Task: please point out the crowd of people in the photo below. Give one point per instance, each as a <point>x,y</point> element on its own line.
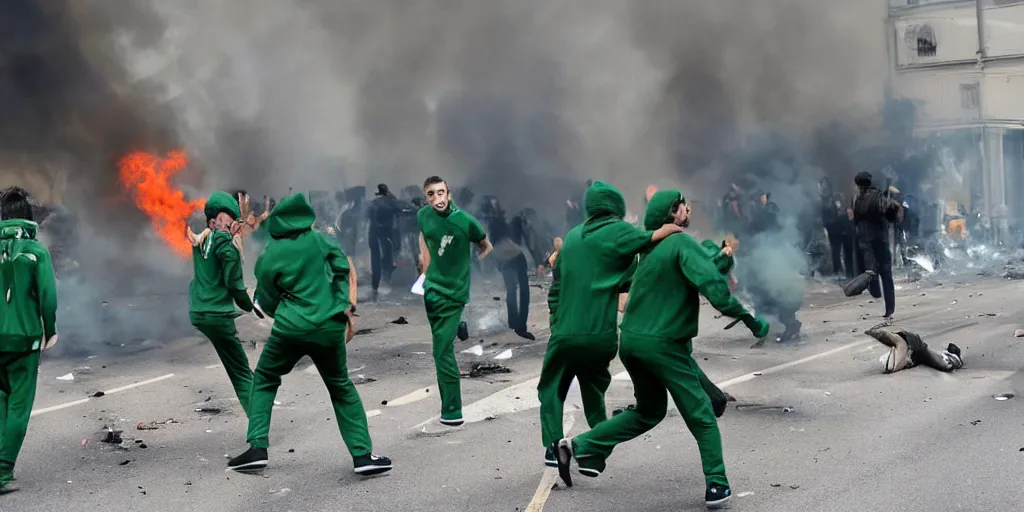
<point>654,274</point>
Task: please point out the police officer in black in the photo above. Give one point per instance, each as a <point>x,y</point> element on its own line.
<point>382,215</point>
<point>873,210</point>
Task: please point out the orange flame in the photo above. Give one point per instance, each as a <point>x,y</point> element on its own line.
<point>148,178</point>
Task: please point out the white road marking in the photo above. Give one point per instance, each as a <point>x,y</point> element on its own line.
<point>45,410</point>
<point>548,479</point>
<point>138,384</point>
<point>58,407</point>
<point>375,412</point>
<point>212,366</point>
<point>415,396</point>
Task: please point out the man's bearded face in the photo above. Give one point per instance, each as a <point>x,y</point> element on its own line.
<point>437,196</point>
<point>681,216</point>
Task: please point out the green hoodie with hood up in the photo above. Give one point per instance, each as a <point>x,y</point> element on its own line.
<point>594,264</point>
<point>664,301</point>
<point>302,275</point>
<point>29,311</point>
<point>217,284</point>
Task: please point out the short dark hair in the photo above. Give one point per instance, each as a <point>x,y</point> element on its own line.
<point>433,180</point>
<point>14,204</point>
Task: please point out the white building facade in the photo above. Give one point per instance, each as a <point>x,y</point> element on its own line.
<point>962,63</point>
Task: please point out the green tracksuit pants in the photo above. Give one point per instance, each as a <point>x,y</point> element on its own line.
<point>444,316</point>
<point>655,365</point>
<point>18,374</point>
<point>585,358</point>
<point>221,332</point>
<point>326,347</point>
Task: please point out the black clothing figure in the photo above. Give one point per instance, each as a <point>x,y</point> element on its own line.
<point>840,233</point>
<point>872,212</point>
<point>508,240</point>
<point>381,216</point>
<point>409,229</point>
<point>351,219</point>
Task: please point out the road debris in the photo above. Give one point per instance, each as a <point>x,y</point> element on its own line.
<point>68,377</point>
<point>482,369</point>
<point>1019,333</point>
<point>363,379</point>
<point>475,350</point>
<point>400,321</point>
<point>209,410</point>
<point>98,394</point>
<point>111,436</point>
<point>1003,396</point>
<point>504,355</point>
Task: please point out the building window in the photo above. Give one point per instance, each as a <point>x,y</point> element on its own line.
<point>926,44</point>
<point>970,96</point>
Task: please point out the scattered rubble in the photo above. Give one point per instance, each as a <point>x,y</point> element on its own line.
<point>1019,333</point>
<point>1003,396</point>
<point>111,436</point>
<point>98,394</point>
<point>362,379</point>
<point>482,369</point>
<point>504,355</point>
<point>209,410</point>
<point>68,377</point>
<point>400,321</point>
<point>475,350</point>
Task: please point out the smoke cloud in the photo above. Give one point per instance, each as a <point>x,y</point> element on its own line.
<point>524,99</point>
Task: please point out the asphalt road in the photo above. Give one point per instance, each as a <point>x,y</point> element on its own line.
<point>854,439</point>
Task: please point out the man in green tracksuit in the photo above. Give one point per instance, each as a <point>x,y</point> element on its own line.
<point>660,321</point>
<point>217,287</point>
<point>446,233</point>
<point>591,270</point>
<point>27,323</point>
<point>303,281</point>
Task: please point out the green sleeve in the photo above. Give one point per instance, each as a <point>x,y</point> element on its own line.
<point>475,230</point>
<point>723,262</point>
<point>623,239</point>
<point>266,292</point>
<point>231,272</point>
<point>555,290</point>
<point>627,277</point>
<point>46,286</point>
<point>698,268</point>
<point>338,264</point>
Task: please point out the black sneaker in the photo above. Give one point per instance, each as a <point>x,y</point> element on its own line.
<point>549,457</point>
<point>716,496</point>
<point>463,331</point>
<point>523,333</point>
<point>563,454</point>
<point>718,405</point>
<point>955,350</point>
<point>620,410</point>
<point>254,459</point>
<point>368,465</point>
<point>590,466</point>
<point>452,423</point>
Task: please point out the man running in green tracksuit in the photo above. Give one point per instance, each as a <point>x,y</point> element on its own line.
<point>446,233</point>
<point>303,281</point>
<point>659,324</point>
<point>27,323</point>
<point>217,287</point>
<point>591,270</point>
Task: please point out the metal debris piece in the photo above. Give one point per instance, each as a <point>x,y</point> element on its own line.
<point>1003,396</point>
<point>482,369</point>
<point>209,410</point>
<point>400,321</point>
<point>146,426</point>
<point>112,436</point>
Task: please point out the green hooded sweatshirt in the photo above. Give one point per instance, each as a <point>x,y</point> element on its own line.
<point>664,301</point>
<point>593,266</point>
<point>217,284</point>
<point>302,275</point>
<point>30,289</point>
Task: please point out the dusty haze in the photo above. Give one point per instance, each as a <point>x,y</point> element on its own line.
<point>523,98</point>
